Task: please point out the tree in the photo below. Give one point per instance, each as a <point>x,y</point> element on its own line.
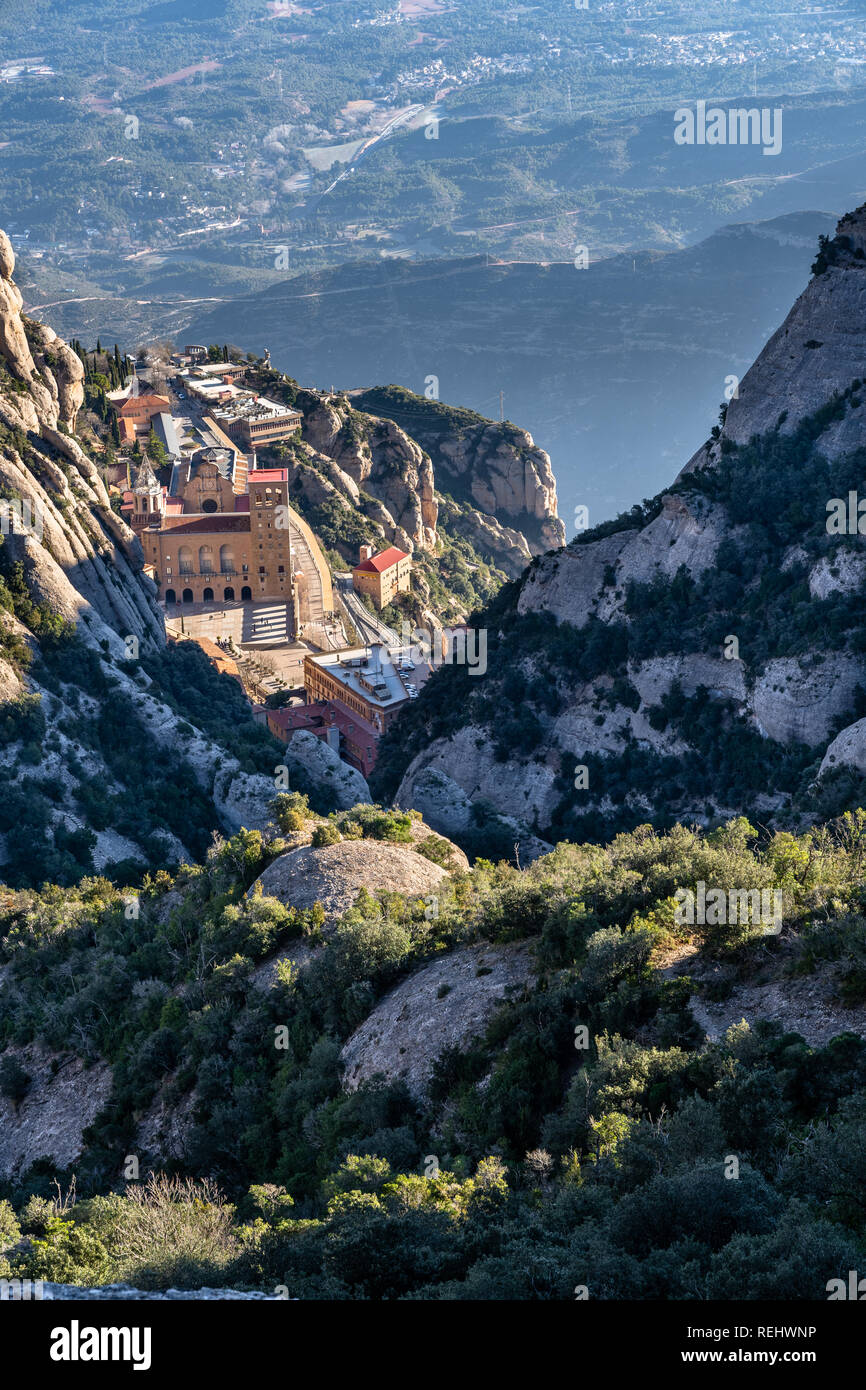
<point>14,1080</point>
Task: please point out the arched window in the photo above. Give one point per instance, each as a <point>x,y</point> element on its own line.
<point>246,593</point>
<point>205,559</point>
<point>227,559</point>
<point>228,595</point>
<point>207,596</point>
<point>170,596</point>
<point>187,596</point>
<point>185,561</point>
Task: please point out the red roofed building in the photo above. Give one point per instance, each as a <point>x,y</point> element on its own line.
<point>383,575</point>
<point>135,415</point>
<point>353,738</point>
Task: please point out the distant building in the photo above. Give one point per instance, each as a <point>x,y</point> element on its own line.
<point>164,428</point>
<point>363,679</point>
<point>135,415</point>
<point>254,422</point>
<point>225,371</point>
<point>219,534</point>
<point>351,736</point>
<point>383,575</point>
<point>196,352</point>
<point>144,503</point>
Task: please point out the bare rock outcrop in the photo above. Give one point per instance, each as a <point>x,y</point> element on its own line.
<point>819,349</point>
<point>800,699</point>
<point>848,749</point>
<point>334,875</point>
<point>443,1005</point>
<point>316,760</point>
<point>77,554</point>
<point>63,1097</point>
<point>505,473</point>
<point>446,799</point>
<point>381,460</point>
<point>590,580</point>
<point>55,377</point>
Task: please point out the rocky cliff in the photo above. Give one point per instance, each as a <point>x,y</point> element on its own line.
<point>494,469</point>
<point>79,622</point>
<point>375,465</point>
<point>705,652</point>
<point>397,469</point>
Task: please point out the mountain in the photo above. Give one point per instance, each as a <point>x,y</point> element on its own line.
<point>327,1056</point>
<point>122,752</point>
<point>615,367</point>
<point>396,458</point>
<point>702,655</point>
<point>118,753</point>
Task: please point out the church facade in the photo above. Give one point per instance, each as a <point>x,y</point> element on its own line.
<point>206,541</point>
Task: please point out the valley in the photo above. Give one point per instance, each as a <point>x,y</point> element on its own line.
<point>432,673</point>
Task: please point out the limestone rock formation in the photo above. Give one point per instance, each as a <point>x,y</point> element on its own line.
<point>381,460</point>
<point>443,1005</point>
<point>695,540</point>
<point>317,761</point>
<point>63,1097</point>
<point>80,561</point>
<point>334,875</point>
<point>506,475</point>
<point>489,484</point>
<point>78,555</point>
<point>447,804</point>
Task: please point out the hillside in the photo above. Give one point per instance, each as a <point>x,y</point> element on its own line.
<point>615,367</point>
<point>471,499</point>
<point>703,654</point>
<point>328,1055</point>
<point>115,749</point>
<point>499,1091</point>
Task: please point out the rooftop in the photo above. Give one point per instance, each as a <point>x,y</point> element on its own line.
<point>248,407</point>
<point>147,400</point>
<point>214,521</point>
<point>322,714</point>
<point>383,561</point>
<point>368,672</point>
<point>164,429</point>
<point>270,475</point>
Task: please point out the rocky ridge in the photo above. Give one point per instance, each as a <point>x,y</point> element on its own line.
<point>802,391</point>
<point>490,485</point>
<point>80,562</point>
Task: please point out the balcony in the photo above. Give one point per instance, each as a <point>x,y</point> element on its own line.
<point>190,572</point>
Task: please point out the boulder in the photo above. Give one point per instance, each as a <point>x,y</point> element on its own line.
<point>443,1005</point>
<point>318,761</point>
<point>334,875</point>
<point>64,1097</point>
